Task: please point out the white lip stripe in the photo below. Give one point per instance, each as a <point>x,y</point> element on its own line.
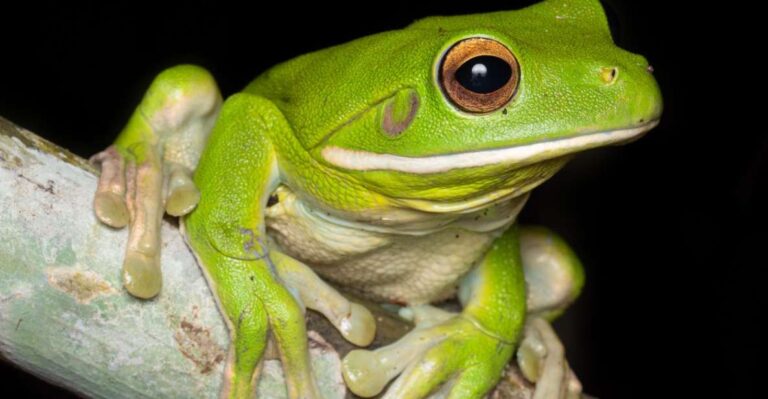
<point>525,154</point>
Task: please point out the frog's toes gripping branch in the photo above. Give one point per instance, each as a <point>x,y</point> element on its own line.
<point>130,192</point>
<point>460,355</point>
<point>464,353</point>
<point>453,354</point>
<point>367,372</point>
<point>541,358</point>
<point>148,171</point>
<point>132,189</point>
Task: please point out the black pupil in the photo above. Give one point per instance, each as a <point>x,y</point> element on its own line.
<point>484,74</point>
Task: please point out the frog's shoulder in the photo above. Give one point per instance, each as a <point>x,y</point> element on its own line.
<point>321,90</point>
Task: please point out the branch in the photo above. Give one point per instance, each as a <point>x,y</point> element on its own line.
<point>65,317</point>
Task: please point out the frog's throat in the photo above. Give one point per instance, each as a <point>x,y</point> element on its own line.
<point>514,156</point>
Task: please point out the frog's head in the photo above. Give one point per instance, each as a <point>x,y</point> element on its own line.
<point>455,112</point>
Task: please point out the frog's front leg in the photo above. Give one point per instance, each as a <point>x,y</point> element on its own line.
<point>259,289</point>
<point>236,174</point>
<point>465,353</point>
<point>147,171</point>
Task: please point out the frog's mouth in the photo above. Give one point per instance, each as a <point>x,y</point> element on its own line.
<point>520,155</point>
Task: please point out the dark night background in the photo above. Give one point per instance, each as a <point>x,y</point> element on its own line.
<point>670,228</point>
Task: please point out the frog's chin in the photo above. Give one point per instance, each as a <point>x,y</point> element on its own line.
<point>514,156</point>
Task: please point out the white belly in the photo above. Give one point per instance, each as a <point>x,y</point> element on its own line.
<point>413,268</point>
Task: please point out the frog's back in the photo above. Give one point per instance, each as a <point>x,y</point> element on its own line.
<point>321,90</point>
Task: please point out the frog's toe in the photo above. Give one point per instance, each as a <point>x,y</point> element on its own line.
<point>453,356</point>
<point>109,200</point>
<point>355,322</point>
<point>368,372</point>
<point>181,194</point>
<point>363,373</point>
<point>130,193</point>
<point>423,377</point>
<point>453,367</point>
<point>141,275</point>
<point>144,183</point>
<point>249,338</point>
<point>359,327</point>
<point>531,354</point>
<point>286,319</point>
<point>110,209</point>
<point>541,358</point>
<point>425,315</point>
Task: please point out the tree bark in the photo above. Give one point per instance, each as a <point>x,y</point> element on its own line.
<point>64,315</point>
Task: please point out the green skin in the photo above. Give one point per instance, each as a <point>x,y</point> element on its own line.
<point>574,82</point>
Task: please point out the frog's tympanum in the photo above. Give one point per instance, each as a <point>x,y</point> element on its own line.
<point>393,166</point>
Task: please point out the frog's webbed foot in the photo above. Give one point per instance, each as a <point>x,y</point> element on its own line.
<point>541,358</point>
<point>554,278</point>
<point>148,171</point>
<point>446,352</point>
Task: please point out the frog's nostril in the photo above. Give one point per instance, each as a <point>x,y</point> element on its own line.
<point>609,74</point>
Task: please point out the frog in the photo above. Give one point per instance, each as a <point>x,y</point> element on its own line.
<point>393,167</point>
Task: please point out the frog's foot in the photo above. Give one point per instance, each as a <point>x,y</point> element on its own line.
<point>109,201</point>
<point>445,352</point>
<point>354,321</point>
<point>148,170</point>
<point>541,358</point>
<point>132,190</point>
<point>270,325</point>
<point>181,194</point>
<point>267,319</point>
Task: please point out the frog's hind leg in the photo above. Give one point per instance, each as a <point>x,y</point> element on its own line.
<point>148,169</point>
<point>553,274</point>
<point>554,278</point>
<point>257,308</point>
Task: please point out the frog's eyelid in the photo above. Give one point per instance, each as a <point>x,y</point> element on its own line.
<point>517,155</point>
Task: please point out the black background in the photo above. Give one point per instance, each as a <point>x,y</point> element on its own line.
<point>670,228</point>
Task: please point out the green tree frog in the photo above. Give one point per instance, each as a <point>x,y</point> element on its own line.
<point>393,166</point>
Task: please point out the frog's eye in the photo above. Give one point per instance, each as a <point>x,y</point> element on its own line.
<point>479,75</point>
